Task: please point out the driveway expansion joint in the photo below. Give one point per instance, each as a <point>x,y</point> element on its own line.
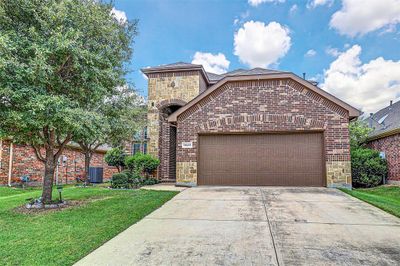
<point>270,227</point>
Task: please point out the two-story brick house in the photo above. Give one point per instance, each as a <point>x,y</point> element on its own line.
<point>246,127</point>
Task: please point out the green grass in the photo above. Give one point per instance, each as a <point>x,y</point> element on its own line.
<point>386,198</point>
<point>63,237</point>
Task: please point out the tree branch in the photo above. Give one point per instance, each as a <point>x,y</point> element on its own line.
<point>98,145</point>
<point>38,154</point>
<point>62,146</point>
<point>58,140</point>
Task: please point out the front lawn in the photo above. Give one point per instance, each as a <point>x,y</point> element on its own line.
<point>386,198</point>
<point>63,237</point>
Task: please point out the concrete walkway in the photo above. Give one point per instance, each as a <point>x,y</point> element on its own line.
<point>257,226</point>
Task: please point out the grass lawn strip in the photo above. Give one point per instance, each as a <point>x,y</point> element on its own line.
<point>386,198</point>
<point>63,237</point>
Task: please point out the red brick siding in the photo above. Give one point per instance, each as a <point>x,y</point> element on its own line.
<point>26,163</point>
<point>391,146</point>
<point>276,106</point>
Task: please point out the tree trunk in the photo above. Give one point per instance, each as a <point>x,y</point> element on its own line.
<point>88,158</point>
<point>49,168</point>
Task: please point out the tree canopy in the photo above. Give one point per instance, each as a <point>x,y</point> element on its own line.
<point>57,57</point>
<point>359,131</point>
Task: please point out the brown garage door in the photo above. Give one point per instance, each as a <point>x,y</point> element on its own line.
<point>261,159</point>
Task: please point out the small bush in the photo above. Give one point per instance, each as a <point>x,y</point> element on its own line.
<point>142,163</point>
<point>134,179</point>
<point>149,181</point>
<point>367,167</point>
<point>120,180</point>
<point>130,163</point>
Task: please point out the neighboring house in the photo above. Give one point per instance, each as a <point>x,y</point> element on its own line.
<point>246,127</point>
<point>386,137</point>
<point>19,160</point>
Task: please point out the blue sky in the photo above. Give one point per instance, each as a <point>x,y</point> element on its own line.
<point>348,53</point>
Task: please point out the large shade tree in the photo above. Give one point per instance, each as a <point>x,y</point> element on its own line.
<point>115,121</point>
<point>56,58</point>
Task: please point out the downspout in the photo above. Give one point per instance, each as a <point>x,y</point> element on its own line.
<point>10,163</point>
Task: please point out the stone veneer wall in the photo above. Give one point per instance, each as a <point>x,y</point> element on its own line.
<point>261,106</point>
<point>166,89</point>
<point>26,163</point>
<point>391,146</point>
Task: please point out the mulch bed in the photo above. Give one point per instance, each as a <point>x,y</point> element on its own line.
<point>69,204</point>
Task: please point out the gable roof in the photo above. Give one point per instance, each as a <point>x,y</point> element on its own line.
<point>264,74</point>
<point>211,78</point>
<point>385,122</point>
<point>249,72</point>
<point>241,72</point>
<point>214,77</point>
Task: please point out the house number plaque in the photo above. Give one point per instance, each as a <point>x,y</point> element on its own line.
<point>187,145</point>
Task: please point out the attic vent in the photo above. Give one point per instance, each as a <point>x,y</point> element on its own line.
<point>380,121</point>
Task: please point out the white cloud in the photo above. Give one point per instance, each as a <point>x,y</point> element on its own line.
<point>310,53</point>
<point>368,86</point>
<point>241,18</point>
<point>333,51</point>
<point>315,3</point>
<point>260,45</point>
<point>217,63</point>
<point>257,2</point>
<point>119,15</point>
<point>358,17</point>
<point>293,9</point>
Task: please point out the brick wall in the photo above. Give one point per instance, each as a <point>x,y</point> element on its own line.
<point>25,163</point>
<point>391,146</point>
<point>273,105</point>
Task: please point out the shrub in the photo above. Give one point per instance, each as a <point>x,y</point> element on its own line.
<point>134,179</point>
<point>367,167</point>
<point>115,157</point>
<point>142,163</point>
<point>149,181</point>
<point>120,180</point>
<point>130,163</point>
<point>359,132</point>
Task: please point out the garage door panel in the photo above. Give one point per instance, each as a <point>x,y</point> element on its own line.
<point>261,159</point>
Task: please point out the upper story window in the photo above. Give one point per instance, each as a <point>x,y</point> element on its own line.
<point>135,148</point>
<point>144,148</point>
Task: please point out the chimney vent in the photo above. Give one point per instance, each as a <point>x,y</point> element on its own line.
<point>391,102</point>
<point>304,75</point>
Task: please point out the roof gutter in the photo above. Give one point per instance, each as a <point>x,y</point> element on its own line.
<point>384,134</point>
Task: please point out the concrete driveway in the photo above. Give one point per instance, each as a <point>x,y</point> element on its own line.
<point>257,226</point>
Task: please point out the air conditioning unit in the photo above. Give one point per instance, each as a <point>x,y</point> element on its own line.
<point>96,174</point>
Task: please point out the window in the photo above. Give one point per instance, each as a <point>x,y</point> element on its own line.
<point>145,132</point>
<point>144,148</point>
<point>136,148</point>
